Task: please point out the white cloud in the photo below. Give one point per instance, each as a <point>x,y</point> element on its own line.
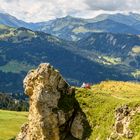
<point>113,5</point>
<point>39,10</point>
<point>42,10</point>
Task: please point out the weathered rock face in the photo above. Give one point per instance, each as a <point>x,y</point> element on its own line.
<point>123,117</point>
<point>122,122</point>
<point>53,112</point>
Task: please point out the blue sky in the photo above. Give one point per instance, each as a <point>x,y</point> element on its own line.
<point>42,10</point>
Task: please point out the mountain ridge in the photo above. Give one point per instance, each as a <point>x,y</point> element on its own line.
<point>72,28</point>
<point>36,47</point>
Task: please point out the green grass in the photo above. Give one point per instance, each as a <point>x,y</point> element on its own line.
<point>136,49</point>
<point>9,32</point>
<point>15,67</point>
<point>82,29</point>
<point>10,123</point>
<point>136,73</point>
<point>5,27</point>
<point>99,104</point>
<point>135,126</point>
<point>111,60</point>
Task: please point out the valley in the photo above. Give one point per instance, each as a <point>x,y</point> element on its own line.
<point>102,52</point>
<point>107,55</point>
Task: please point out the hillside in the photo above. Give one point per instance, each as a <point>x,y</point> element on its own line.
<point>109,110</point>
<point>10,123</point>
<point>115,50</point>
<point>9,20</point>
<point>36,47</point>
<point>98,103</point>
<point>11,102</point>
<point>127,19</point>
<point>73,29</point>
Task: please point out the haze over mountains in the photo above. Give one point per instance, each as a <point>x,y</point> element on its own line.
<point>73,29</point>
<point>91,50</point>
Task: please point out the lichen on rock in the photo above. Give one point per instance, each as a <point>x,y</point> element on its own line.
<point>53,107</point>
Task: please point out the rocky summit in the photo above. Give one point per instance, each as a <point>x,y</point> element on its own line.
<point>54,113</point>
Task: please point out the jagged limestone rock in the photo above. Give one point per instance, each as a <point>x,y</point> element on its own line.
<point>53,109</point>
<point>123,121</point>
<point>123,117</point>
<point>23,134</point>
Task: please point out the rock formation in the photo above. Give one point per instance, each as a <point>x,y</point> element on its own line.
<point>123,117</point>
<point>122,122</point>
<point>54,114</point>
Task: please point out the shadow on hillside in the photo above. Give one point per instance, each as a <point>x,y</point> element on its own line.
<point>71,102</point>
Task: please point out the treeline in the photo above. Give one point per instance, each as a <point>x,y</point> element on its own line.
<point>8,102</point>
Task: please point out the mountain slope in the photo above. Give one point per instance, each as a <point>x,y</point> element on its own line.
<point>103,105</point>
<point>110,43</point>
<point>111,26</point>
<point>62,27</point>
<point>22,49</point>
<point>114,49</point>
<point>129,19</point>
<point>73,29</point>
<point>12,21</point>
<point>108,106</point>
<point>69,28</point>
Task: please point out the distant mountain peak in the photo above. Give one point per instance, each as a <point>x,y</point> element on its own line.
<point>74,28</point>
<point>68,16</point>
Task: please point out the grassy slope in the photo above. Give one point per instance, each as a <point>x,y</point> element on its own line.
<point>10,123</point>
<point>99,105</point>
<point>15,67</point>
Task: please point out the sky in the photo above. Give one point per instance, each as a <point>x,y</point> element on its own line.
<point>44,10</point>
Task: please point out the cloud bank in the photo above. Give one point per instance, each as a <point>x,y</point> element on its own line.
<point>113,5</point>
<point>42,10</point>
